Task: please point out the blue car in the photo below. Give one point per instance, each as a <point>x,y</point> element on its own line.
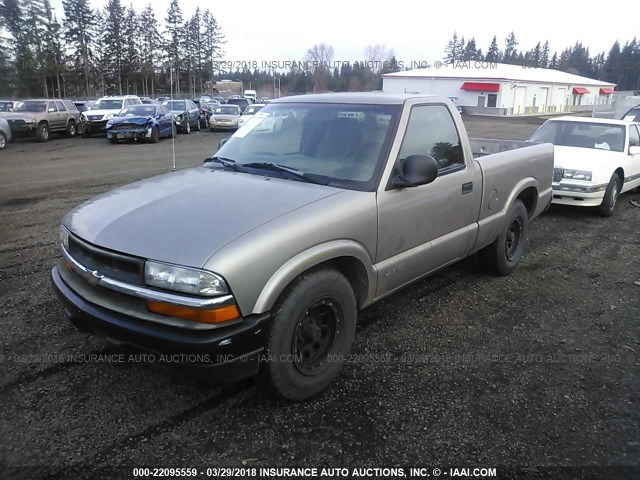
<point>141,122</point>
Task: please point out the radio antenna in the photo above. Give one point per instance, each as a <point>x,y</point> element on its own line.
<point>174,129</point>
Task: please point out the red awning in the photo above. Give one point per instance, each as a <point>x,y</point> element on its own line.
<point>606,91</point>
<point>580,91</point>
<point>480,87</point>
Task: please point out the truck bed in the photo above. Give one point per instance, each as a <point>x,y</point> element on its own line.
<point>481,147</point>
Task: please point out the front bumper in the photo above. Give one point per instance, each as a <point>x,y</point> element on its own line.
<point>95,126</point>
<point>129,133</point>
<point>222,354</point>
<point>578,194</point>
<point>224,125</point>
<point>22,129</point>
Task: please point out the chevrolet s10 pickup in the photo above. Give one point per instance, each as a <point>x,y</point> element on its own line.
<point>318,206</point>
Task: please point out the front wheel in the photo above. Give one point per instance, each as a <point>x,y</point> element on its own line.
<point>187,128</point>
<point>610,196</point>
<point>155,135</point>
<point>72,130</point>
<point>42,132</point>
<point>3,141</point>
<point>197,128</point>
<point>311,333</point>
<point>504,254</point>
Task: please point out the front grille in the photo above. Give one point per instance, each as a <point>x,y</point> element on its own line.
<point>114,265</point>
<point>126,126</point>
<point>93,118</point>
<point>16,123</point>
<point>558,173</point>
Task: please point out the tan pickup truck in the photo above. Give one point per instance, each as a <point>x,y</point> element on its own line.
<point>257,262</point>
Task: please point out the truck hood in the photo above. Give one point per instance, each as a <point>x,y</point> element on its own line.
<point>590,159</point>
<point>186,216</point>
<point>100,113</point>
<point>21,115</point>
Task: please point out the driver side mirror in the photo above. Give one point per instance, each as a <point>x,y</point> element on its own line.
<point>222,142</point>
<point>415,170</point>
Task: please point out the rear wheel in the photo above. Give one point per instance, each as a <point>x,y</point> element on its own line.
<point>610,196</point>
<point>311,333</point>
<point>3,141</point>
<point>42,132</point>
<point>504,254</point>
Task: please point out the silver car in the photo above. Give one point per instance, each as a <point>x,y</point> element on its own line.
<point>5,134</point>
<point>224,117</point>
<point>257,262</point>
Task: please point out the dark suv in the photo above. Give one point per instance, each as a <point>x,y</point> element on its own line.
<point>243,103</point>
<point>41,117</point>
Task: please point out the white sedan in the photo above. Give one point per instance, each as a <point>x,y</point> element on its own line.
<point>595,160</point>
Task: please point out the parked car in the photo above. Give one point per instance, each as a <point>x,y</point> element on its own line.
<point>95,119</point>
<point>205,111</point>
<point>6,106</point>
<point>249,112</point>
<point>335,213</point>
<point>5,133</point>
<point>141,122</point>
<point>225,117</point>
<point>243,103</point>
<point>162,99</point>
<point>41,117</point>
<point>231,97</point>
<point>186,113</point>
<point>251,95</point>
<point>595,160</point>
<point>220,100</point>
<point>147,100</point>
<point>81,106</point>
<point>264,100</point>
<point>633,115</point>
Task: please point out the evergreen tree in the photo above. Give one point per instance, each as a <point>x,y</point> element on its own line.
<point>493,53</point>
<point>151,45</point>
<point>79,25</point>
<point>175,32</point>
<point>113,42</point>
<point>454,49</point>
<point>510,50</point>
<point>544,55</point>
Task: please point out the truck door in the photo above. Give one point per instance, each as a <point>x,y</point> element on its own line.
<point>423,228</point>
<point>61,120</point>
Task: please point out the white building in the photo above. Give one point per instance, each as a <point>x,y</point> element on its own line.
<point>485,87</point>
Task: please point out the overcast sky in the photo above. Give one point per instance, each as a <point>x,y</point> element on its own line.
<point>417,31</point>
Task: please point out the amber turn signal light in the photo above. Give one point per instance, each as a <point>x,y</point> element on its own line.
<point>218,315</point>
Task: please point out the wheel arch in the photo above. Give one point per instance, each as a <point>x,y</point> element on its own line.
<point>346,256</point>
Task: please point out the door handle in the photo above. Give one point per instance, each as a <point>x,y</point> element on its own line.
<point>467,188</point>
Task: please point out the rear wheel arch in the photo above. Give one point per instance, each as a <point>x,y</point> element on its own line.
<point>529,198</point>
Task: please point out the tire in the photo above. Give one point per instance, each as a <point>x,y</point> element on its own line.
<point>315,320</point>
<point>42,132</point>
<point>187,128</point>
<point>611,195</point>
<point>155,135</point>
<point>72,130</point>
<point>3,141</point>
<point>197,128</point>
<point>504,254</point>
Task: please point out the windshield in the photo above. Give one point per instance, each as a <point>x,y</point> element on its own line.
<point>632,115</point>
<point>227,111</point>
<point>31,107</point>
<point>176,105</point>
<point>107,105</point>
<point>140,110</point>
<point>251,110</point>
<point>601,136</point>
<point>342,144</point>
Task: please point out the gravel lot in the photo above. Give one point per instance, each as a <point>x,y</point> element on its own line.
<point>538,368</point>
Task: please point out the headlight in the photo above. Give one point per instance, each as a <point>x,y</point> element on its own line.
<point>179,117</point>
<point>83,118</point>
<point>183,279</point>
<point>109,116</point>
<point>64,237</point>
<point>577,175</point>
<point>29,120</point>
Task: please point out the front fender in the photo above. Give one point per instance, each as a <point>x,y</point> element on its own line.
<point>309,259</point>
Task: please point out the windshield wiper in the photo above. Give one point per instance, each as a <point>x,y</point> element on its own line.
<point>225,162</point>
<point>283,168</point>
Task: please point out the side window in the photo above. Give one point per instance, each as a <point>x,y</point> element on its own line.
<point>60,106</point>
<point>634,137</point>
<point>127,102</point>
<point>431,130</point>
<point>52,105</point>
